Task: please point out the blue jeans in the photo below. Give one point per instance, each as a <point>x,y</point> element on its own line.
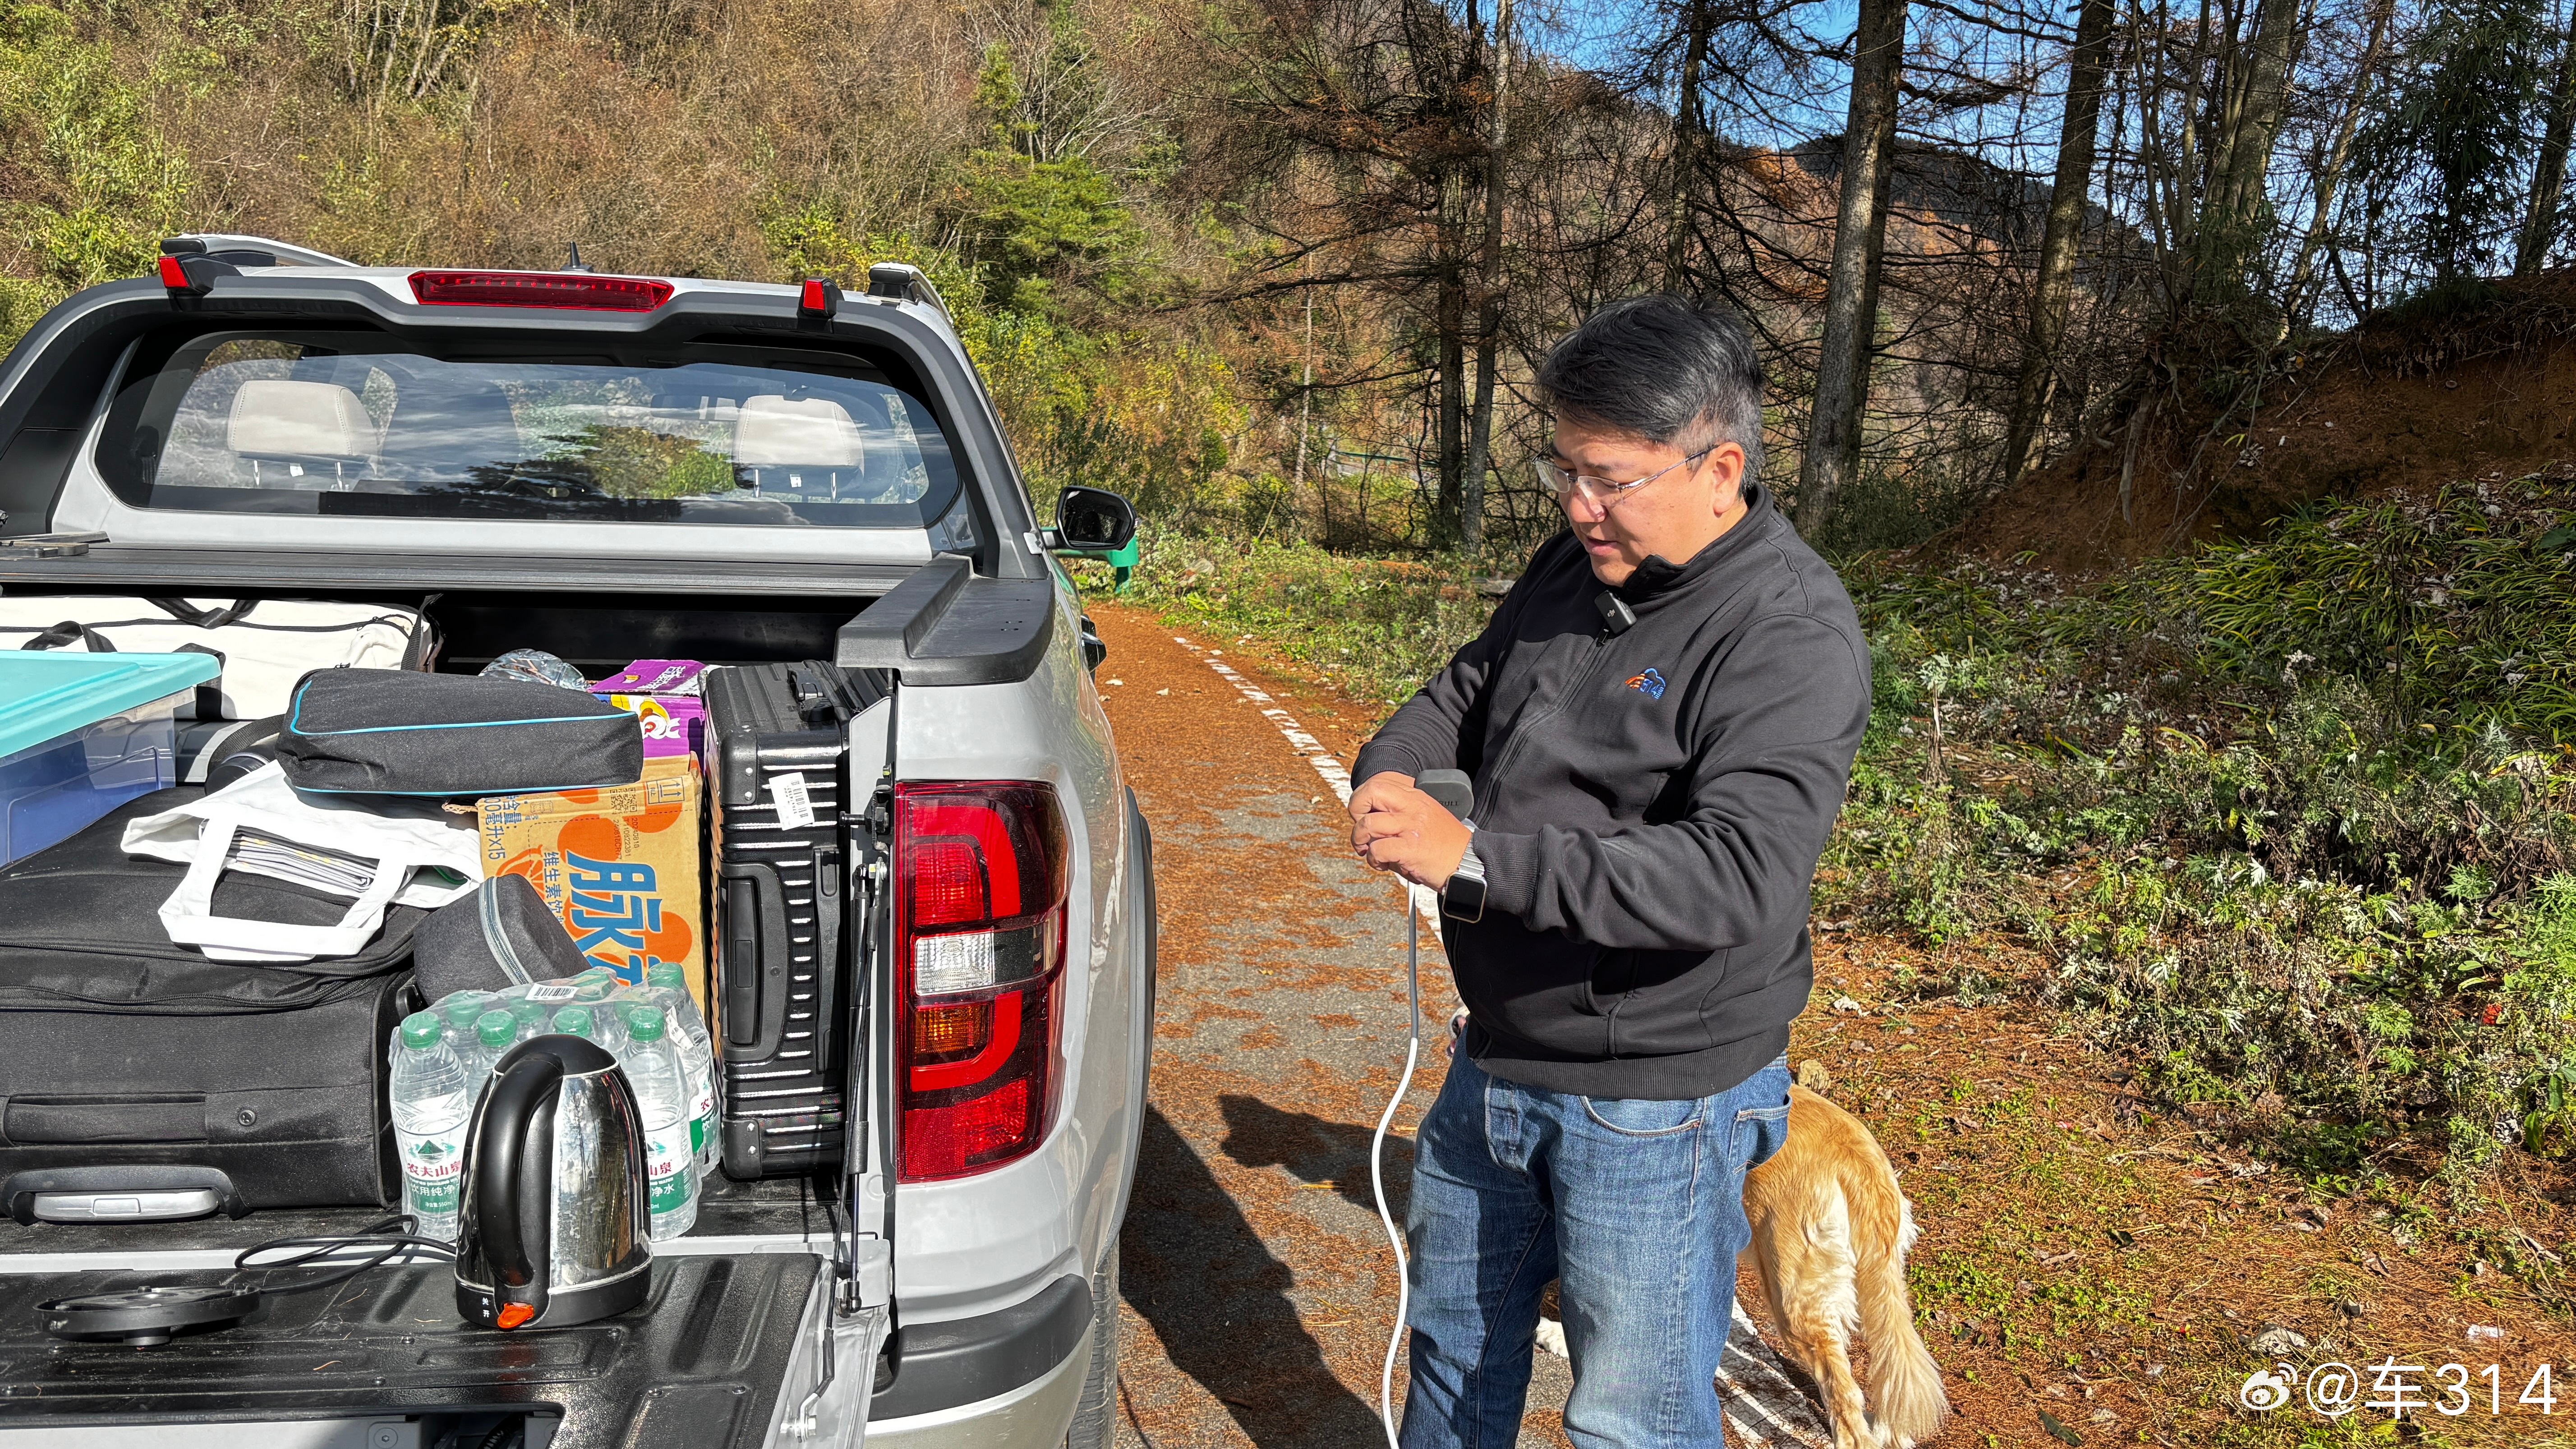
<point>1636,1205</point>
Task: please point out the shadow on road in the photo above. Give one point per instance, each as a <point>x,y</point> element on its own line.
<point>1194,1267</point>
<point>1316,1150</point>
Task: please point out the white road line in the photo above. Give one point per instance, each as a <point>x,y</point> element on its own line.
<point>1307,747</point>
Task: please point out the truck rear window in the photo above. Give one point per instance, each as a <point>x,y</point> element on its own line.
<point>359,424</point>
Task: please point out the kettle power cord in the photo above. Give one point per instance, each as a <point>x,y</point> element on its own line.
<point>1377,1163</point>
<point>1455,795</point>
<point>153,1314</point>
<point>390,1237</point>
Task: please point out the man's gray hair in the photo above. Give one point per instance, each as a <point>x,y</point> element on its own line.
<point>1677,374</point>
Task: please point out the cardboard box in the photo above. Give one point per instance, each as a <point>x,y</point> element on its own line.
<point>621,867</point>
<point>674,724</point>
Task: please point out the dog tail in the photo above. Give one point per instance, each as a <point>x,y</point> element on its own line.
<point>1904,1381</point>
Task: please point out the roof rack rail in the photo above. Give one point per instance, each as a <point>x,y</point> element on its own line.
<point>906,283</point>
<point>248,251</point>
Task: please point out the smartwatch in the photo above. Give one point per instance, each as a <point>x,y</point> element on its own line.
<point>1463,899</point>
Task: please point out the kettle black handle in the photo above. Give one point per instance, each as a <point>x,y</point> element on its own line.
<point>500,1162</point>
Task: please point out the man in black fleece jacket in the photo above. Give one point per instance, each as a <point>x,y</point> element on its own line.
<point>1660,722</point>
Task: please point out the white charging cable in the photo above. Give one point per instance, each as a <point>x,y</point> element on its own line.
<point>1377,1164</point>
<point>1452,790</point>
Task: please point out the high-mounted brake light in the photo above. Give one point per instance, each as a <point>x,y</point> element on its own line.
<point>190,274</point>
<point>818,298</point>
<point>583,291</point>
<point>979,926</point>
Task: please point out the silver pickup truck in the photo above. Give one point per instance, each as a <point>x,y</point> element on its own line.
<point>608,468</point>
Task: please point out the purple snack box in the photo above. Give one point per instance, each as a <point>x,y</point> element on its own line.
<point>674,724</point>
<point>654,676</point>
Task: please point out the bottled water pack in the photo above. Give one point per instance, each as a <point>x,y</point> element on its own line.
<point>443,1060</point>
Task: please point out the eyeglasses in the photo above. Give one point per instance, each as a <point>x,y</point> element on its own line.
<point>1603,493</point>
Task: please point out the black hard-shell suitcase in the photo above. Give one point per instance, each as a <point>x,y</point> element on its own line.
<point>777,745</point>
<point>127,1062</point>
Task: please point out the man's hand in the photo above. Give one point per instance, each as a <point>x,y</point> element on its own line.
<point>1397,827</point>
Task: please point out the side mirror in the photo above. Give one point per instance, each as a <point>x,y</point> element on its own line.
<point>1092,520</point>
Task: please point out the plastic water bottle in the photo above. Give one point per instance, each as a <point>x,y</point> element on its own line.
<point>670,986</point>
<point>530,1015</point>
<point>461,1009</point>
<point>652,1064</point>
<point>575,1021</point>
<point>431,1100</point>
<point>606,1021</point>
<point>496,1032</point>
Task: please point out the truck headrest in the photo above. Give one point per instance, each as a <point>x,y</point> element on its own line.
<point>779,432</point>
<point>276,418</point>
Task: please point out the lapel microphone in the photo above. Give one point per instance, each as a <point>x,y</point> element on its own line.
<point>1615,613</point>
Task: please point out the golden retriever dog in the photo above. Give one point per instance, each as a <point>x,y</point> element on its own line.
<point>1830,1234</point>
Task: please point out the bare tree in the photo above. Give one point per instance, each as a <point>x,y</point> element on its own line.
<point>2549,173</point>
<point>2298,297</point>
<point>1860,231</point>
<point>2251,107</point>
<point>1489,285</point>
<point>2067,200</point>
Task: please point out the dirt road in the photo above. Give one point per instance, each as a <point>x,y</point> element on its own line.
<point>1258,1284</point>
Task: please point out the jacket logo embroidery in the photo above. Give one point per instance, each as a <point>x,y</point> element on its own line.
<point>1650,684</point>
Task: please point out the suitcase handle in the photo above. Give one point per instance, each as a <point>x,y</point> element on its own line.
<point>21,1189</point>
<point>753,979</point>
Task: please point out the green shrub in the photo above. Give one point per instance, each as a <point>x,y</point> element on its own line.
<point>97,186</point>
<point>2290,819</point>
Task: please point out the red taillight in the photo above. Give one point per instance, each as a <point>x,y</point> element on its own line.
<point>818,298</point>
<point>582,290</point>
<point>174,276</point>
<point>979,921</point>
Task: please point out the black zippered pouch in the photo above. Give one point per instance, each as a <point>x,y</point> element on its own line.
<point>497,936</point>
<point>395,732</point>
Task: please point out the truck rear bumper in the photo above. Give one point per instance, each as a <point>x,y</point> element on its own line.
<point>1033,1416</point>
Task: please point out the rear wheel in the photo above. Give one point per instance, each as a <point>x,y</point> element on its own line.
<point>1095,1419</point>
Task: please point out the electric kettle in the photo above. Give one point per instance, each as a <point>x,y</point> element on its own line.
<point>553,1227</point>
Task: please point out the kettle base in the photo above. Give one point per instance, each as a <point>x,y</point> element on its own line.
<point>564,1307</point>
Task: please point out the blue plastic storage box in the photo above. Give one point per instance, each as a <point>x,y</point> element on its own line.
<point>81,734</point>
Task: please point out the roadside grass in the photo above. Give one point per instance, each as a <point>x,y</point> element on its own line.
<point>2089,1256</point>
<point>1374,628</point>
<point>2323,907</point>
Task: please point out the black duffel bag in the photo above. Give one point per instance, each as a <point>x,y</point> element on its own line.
<point>128,1063</point>
<point>393,732</point>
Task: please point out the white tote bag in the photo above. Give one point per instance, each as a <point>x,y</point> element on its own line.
<point>266,645</point>
<point>374,850</point>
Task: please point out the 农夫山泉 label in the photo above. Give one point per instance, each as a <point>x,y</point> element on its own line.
<point>432,1173</point>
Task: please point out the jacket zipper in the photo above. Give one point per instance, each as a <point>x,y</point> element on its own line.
<point>1556,706</point>
<point>1573,689</point>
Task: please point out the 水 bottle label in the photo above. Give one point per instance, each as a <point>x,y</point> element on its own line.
<point>667,1188</point>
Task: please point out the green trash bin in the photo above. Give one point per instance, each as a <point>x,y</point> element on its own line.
<point>1122,562</point>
